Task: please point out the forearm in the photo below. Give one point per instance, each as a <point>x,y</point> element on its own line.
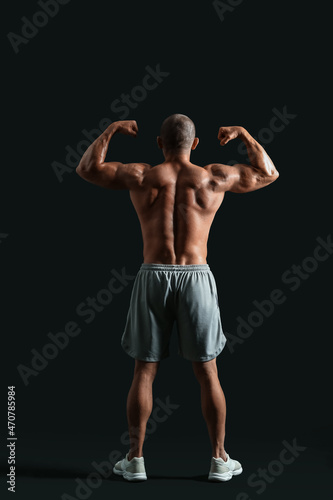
<point>259,159</point>
<point>94,156</point>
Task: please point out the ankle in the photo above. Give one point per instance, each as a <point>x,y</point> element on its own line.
<point>133,455</point>
<point>221,454</point>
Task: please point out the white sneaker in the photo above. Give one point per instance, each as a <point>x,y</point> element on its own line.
<point>223,471</point>
<point>131,470</point>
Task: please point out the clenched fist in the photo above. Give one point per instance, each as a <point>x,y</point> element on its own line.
<point>226,134</point>
<point>127,127</point>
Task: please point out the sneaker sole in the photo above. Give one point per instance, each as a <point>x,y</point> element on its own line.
<point>237,472</point>
<point>214,476</point>
<point>226,476</point>
<point>130,476</point>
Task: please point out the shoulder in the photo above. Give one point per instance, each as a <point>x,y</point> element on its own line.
<point>219,176</point>
<point>217,170</point>
<point>137,170</point>
<point>142,167</point>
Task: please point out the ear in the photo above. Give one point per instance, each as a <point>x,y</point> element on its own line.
<point>159,142</point>
<point>195,143</point>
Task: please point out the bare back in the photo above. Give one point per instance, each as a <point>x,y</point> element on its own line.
<point>176,205</point>
<point>176,201</point>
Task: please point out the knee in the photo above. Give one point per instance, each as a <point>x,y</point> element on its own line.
<point>205,371</point>
<point>145,370</point>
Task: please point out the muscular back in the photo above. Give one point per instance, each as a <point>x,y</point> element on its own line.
<point>176,201</point>
<point>176,205</point>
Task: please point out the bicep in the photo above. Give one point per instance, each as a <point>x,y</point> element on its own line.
<point>116,175</point>
<point>238,178</point>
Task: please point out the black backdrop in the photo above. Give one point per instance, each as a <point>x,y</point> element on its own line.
<point>222,63</point>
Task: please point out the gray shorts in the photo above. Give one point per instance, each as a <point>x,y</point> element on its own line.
<point>163,294</point>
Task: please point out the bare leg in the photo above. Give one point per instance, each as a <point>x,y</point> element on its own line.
<point>140,404</point>
<point>212,404</point>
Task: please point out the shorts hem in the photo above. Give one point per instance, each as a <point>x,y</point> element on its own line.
<point>145,358</point>
<point>205,358</point>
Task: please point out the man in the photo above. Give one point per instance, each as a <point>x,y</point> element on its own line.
<point>176,202</point>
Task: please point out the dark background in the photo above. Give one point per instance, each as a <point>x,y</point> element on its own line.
<point>60,240</point>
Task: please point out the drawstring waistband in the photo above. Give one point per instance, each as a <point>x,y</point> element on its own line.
<point>174,267</point>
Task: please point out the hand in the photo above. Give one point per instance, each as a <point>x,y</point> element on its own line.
<point>127,127</point>
<point>226,134</point>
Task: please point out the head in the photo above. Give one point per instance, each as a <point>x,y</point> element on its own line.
<point>177,136</point>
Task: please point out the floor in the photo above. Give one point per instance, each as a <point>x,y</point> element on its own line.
<point>175,468</point>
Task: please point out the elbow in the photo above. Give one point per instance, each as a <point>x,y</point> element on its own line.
<point>272,178</point>
<point>78,170</point>
<point>86,170</point>
<point>81,168</point>
<point>262,181</point>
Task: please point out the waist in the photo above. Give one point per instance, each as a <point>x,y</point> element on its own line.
<point>174,267</point>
